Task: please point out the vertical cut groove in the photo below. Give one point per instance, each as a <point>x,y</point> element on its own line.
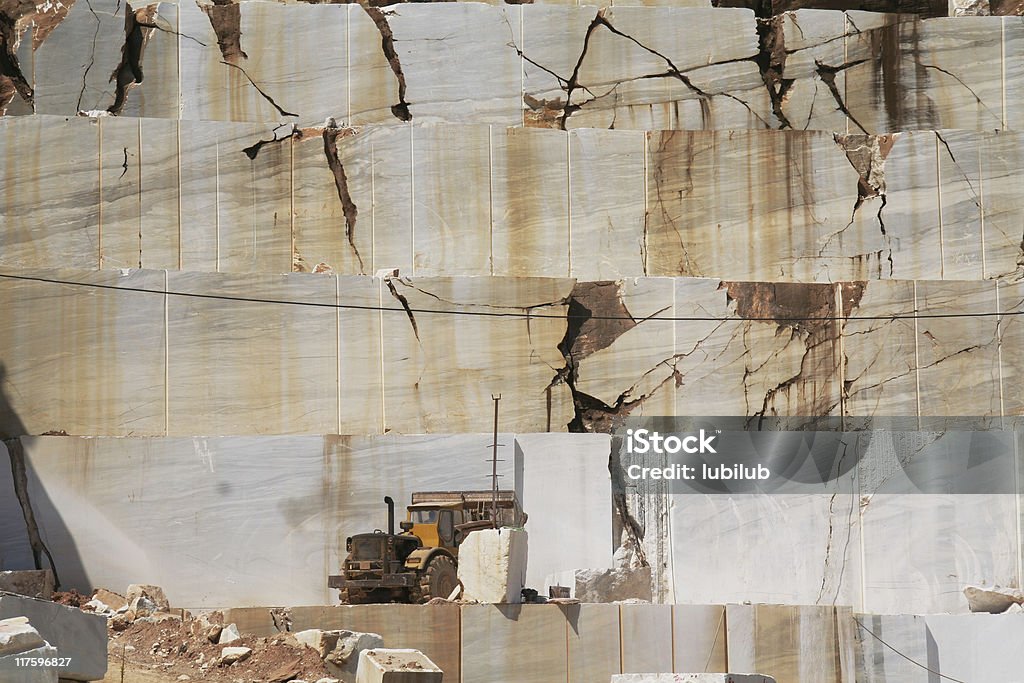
<point>938,192</point>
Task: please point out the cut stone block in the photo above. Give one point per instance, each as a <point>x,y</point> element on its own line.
<point>492,565</point>
<point>495,638</point>
<point>692,678</point>
<point>397,666</point>
<point>79,637</point>
<point>592,633</point>
<point>35,583</point>
<point>543,465</point>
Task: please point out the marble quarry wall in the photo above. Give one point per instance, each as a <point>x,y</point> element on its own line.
<point>477,200</point>
<point>511,65</point>
<point>251,520</point>
<point>281,263</point>
<point>176,353</point>
<point>591,642</point>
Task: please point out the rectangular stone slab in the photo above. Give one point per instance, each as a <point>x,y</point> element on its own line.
<point>79,636</point>
<point>494,638</point>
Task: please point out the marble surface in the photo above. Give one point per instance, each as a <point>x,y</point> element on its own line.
<point>495,637</point>
<point>646,638</point>
<point>198,360</point>
<point>628,65</point>
<point>593,641</point>
<point>966,647</point>
<point>427,629</point>
<point>541,460</point>
<point>485,200</point>
<point>243,520</point>
<point>699,638</point>
<point>792,643</point>
<point>97,502</point>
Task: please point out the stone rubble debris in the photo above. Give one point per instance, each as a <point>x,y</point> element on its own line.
<point>228,634</point>
<point>340,649</point>
<point>183,647</point>
<point>152,594</point>
<point>230,655</point>
<point>607,585</point>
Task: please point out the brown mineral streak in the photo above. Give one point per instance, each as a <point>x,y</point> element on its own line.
<point>14,17</point>
<point>789,304</point>
<point>226,20</point>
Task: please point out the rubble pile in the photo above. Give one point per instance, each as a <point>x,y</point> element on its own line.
<point>147,635</point>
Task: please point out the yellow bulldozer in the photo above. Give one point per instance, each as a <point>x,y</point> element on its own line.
<point>421,562</point>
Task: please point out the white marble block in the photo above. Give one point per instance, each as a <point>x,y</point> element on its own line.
<point>397,666</point>
<point>692,678</point>
<point>79,638</point>
<point>492,565</point>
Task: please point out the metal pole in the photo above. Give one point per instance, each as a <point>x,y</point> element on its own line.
<point>494,465</point>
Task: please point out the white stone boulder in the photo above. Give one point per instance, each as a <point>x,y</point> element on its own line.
<point>228,634</point>
<point>612,585</point>
<point>17,635</point>
<point>397,666</point>
<point>492,565</point>
<point>230,655</point>
<point>993,600</point>
<point>692,678</point>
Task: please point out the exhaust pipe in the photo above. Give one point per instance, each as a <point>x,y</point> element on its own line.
<point>391,515</point>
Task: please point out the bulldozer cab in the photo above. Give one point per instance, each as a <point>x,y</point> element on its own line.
<point>436,524</point>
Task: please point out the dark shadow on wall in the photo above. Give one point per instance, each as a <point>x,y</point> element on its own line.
<point>43,522</point>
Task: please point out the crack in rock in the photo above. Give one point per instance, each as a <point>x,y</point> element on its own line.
<point>129,72</point>
<point>405,304</point>
<point>827,74</point>
<point>92,57</point>
<point>261,91</point>
<point>253,150</point>
<point>807,313</point>
<point>348,207</point>
<point>596,317</point>
<point>19,471</point>
<point>387,43</point>
<point>867,155</point>
<point>771,62</point>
